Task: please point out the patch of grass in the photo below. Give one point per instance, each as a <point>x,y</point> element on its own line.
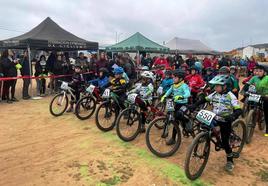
<point>111,181</point>
<point>263,174</point>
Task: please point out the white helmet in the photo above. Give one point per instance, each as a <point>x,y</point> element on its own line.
<point>148,74</point>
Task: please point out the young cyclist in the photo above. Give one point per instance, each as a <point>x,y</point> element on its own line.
<point>145,91</point>
<point>209,74</point>
<point>102,80</point>
<point>118,85</point>
<point>195,82</point>
<point>261,83</point>
<point>166,83</point>
<point>76,85</point>
<point>180,92</point>
<point>225,105</point>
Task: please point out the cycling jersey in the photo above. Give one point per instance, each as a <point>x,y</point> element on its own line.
<point>145,92</point>
<point>180,89</point>
<point>261,84</point>
<point>166,84</point>
<point>223,104</point>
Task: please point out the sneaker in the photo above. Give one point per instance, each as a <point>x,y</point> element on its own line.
<point>236,154</point>
<point>229,166</point>
<point>171,142</point>
<point>266,134</point>
<point>9,101</point>
<point>14,99</point>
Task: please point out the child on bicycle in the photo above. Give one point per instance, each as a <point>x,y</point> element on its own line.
<point>145,91</point>
<point>76,85</point>
<point>260,81</point>
<point>102,80</point>
<point>180,92</point>
<point>118,85</point>
<point>225,105</point>
<point>166,83</point>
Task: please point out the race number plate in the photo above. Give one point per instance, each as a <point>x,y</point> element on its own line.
<point>252,89</point>
<point>170,105</point>
<point>254,98</point>
<point>183,108</point>
<point>106,93</point>
<point>64,86</point>
<point>132,97</point>
<point>90,89</point>
<point>205,116</point>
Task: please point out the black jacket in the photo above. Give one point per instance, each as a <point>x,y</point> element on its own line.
<point>41,68</point>
<point>9,68</point>
<point>25,70</point>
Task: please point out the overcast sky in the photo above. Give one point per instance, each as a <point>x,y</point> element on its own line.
<point>220,24</point>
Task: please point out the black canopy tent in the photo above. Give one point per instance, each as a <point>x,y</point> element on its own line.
<point>48,35</point>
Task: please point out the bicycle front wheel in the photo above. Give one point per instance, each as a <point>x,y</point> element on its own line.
<point>158,139</point>
<point>85,108</point>
<point>128,124</point>
<point>197,156</point>
<point>59,104</point>
<point>251,123</point>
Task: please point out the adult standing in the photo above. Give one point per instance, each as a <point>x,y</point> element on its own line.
<point>190,61</point>
<point>58,69</point>
<point>147,61</point>
<point>25,71</point>
<point>251,65</point>
<point>1,75</point>
<point>10,70</point>
<point>102,62</point>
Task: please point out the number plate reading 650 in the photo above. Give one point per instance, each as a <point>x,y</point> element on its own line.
<point>205,116</point>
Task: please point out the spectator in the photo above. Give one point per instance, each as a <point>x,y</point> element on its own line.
<point>251,65</point>
<point>224,62</point>
<point>1,75</point>
<point>190,61</point>
<point>147,61</point>
<point>58,69</point>
<point>50,67</point>
<point>41,71</point>
<point>206,64</point>
<point>178,61</point>
<point>10,70</point>
<point>102,63</point>
<point>25,71</point>
<point>214,63</point>
<point>161,62</point>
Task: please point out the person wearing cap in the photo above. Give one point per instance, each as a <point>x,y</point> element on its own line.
<point>9,70</point>
<point>226,106</point>
<point>180,92</point>
<point>76,85</point>
<point>260,81</point>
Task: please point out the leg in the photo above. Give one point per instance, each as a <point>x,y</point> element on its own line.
<point>13,89</point>
<point>265,110</point>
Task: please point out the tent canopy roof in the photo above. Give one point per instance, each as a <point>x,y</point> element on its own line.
<point>188,46</point>
<point>48,35</point>
<point>137,42</point>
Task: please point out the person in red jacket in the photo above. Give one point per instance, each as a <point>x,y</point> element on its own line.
<point>214,63</point>
<point>251,65</point>
<point>161,62</point>
<point>195,82</point>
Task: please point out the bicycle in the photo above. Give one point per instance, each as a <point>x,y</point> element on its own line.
<point>86,106</point>
<point>128,123</point>
<point>199,150</point>
<point>161,129</point>
<point>61,99</point>
<point>109,110</point>
<point>255,115</point>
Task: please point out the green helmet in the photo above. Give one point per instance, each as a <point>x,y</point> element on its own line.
<point>219,80</point>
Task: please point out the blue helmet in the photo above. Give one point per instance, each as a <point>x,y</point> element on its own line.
<point>118,70</point>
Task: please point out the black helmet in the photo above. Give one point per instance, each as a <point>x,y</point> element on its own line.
<point>209,69</point>
<point>168,73</point>
<point>224,70</point>
<point>261,67</point>
<point>193,68</point>
<point>104,70</point>
<point>179,73</point>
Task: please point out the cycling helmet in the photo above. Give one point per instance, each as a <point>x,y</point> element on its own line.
<point>194,68</point>
<point>184,65</point>
<point>224,70</point>
<point>209,69</point>
<point>233,68</point>
<point>118,70</point>
<point>145,68</point>
<point>179,73</point>
<point>147,74</point>
<point>219,80</point>
<point>168,73</point>
<point>260,67</point>
<point>77,66</point>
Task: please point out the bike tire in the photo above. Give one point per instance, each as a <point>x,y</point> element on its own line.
<point>92,110</point>
<point>98,117</point>
<point>242,124</point>
<point>64,107</point>
<point>251,123</point>
<point>149,143</point>
<point>127,112</point>
<point>190,152</point>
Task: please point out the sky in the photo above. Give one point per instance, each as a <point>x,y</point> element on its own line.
<point>221,24</point>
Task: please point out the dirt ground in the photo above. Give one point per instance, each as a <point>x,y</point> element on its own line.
<point>39,149</point>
